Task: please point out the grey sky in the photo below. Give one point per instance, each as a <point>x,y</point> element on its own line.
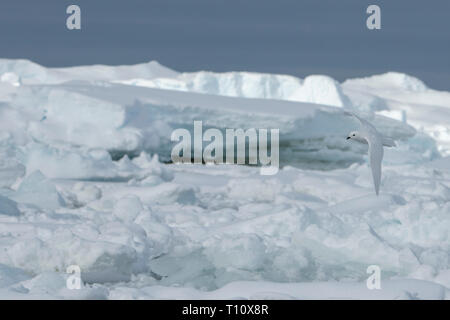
<point>298,37</point>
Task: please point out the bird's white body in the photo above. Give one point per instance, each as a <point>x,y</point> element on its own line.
<point>387,142</point>
<point>369,135</point>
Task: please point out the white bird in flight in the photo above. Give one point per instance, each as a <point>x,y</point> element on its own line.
<point>369,135</point>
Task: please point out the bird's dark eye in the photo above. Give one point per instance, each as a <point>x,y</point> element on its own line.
<point>353,134</point>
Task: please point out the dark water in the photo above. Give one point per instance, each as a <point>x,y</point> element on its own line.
<point>298,37</point>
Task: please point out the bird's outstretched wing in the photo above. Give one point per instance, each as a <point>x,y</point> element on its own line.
<point>375,141</point>
<point>365,125</point>
<point>375,156</point>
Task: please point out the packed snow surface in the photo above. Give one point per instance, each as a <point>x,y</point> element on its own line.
<point>86,179</point>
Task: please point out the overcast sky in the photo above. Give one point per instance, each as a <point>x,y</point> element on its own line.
<point>298,37</point>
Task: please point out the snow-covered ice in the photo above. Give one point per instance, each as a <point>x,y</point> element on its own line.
<point>86,180</point>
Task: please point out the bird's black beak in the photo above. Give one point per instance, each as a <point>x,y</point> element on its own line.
<point>347,138</point>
